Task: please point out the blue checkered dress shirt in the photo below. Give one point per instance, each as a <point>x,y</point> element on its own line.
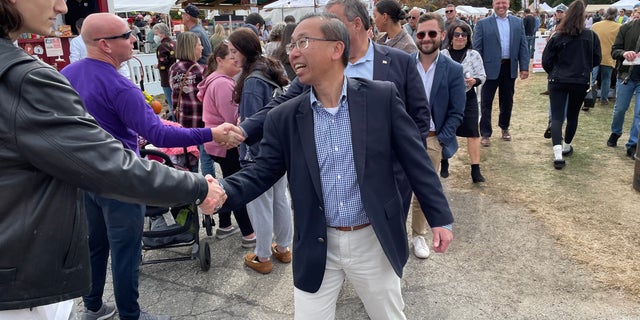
<point>342,201</point>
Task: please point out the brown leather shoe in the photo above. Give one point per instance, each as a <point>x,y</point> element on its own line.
<point>485,142</point>
<point>284,257</point>
<point>251,261</point>
<point>506,136</point>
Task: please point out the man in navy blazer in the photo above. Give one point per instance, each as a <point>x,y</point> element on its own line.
<point>502,43</point>
<point>370,61</point>
<point>443,79</point>
<point>337,143</point>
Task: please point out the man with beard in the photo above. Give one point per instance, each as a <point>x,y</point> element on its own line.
<point>443,82</point>
<point>501,42</point>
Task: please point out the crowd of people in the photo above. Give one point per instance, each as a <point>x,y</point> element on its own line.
<point>317,155</point>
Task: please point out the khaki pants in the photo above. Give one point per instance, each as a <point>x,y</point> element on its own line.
<point>418,221</point>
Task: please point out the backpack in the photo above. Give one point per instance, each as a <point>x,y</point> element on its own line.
<point>277,90</point>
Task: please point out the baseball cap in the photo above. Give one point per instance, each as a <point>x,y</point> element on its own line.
<point>636,6</point>
<point>192,10</point>
<point>562,8</point>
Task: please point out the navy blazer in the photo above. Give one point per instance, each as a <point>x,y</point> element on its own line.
<point>447,100</point>
<point>486,40</point>
<point>381,133</point>
<point>389,64</point>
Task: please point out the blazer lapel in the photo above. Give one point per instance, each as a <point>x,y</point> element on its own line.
<point>381,62</point>
<point>357,100</point>
<point>304,121</point>
<point>438,77</point>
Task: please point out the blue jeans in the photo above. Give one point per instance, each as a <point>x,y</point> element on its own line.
<point>206,163</point>
<point>115,226</point>
<point>624,93</point>
<point>167,97</point>
<point>530,43</point>
<point>605,80</point>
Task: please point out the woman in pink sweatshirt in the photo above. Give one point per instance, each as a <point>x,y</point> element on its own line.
<point>216,94</point>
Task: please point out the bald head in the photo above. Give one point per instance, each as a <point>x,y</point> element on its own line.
<point>108,38</point>
<point>101,25</point>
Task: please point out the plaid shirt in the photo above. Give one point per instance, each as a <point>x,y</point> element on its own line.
<point>340,189</point>
<point>190,110</point>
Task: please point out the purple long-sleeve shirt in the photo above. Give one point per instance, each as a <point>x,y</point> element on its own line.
<point>120,108</point>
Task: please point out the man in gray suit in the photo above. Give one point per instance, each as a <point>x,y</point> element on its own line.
<point>501,41</point>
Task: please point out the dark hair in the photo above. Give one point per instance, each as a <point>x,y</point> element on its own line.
<point>432,16</point>
<point>573,22</point>
<point>353,9</point>
<point>248,44</point>
<point>290,19</point>
<point>332,28</point>
<point>392,8</point>
<point>611,14</point>
<point>11,19</point>
<point>281,51</point>
<point>465,28</point>
<point>79,23</point>
<point>221,51</point>
<point>527,10</point>
<point>254,18</point>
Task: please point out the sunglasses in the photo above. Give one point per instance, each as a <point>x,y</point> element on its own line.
<point>413,18</point>
<point>460,35</point>
<point>432,34</point>
<point>124,36</point>
<point>448,11</point>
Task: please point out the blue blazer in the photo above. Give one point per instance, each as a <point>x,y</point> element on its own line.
<point>486,40</point>
<point>389,64</point>
<point>381,133</point>
<point>447,100</point>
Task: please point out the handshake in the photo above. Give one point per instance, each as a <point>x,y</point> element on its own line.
<point>228,135</point>
<point>215,197</point>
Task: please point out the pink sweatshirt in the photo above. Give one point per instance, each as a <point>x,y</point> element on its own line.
<point>216,94</point>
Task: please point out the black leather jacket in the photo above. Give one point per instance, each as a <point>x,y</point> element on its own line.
<point>50,148</point>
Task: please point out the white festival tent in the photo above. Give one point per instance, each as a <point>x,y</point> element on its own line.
<point>546,8</point>
<point>466,10</point>
<point>162,6</point>
<point>625,4</point>
<point>276,11</point>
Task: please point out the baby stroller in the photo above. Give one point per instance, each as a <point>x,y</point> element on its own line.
<point>177,226</point>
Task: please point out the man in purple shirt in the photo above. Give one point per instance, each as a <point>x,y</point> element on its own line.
<point>120,108</point>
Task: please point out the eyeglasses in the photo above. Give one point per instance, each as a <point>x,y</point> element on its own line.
<point>448,11</point>
<point>125,36</point>
<point>432,34</point>
<point>460,35</point>
<point>413,18</point>
<point>303,43</point>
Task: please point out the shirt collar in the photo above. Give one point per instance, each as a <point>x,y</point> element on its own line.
<point>315,103</point>
<point>367,57</point>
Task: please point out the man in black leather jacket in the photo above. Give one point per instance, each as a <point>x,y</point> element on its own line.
<point>50,149</point>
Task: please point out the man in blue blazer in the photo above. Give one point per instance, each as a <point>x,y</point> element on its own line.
<point>502,43</point>
<point>443,79</point>
<point>370,61</point>
<point>337,143</point>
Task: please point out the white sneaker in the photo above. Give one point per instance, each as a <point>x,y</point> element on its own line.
<point>420,248</point>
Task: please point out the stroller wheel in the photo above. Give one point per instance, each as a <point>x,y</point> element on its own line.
<point>208,225</point>
<point>205,256</point>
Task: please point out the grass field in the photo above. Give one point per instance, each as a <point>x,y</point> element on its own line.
<point>590,207</point>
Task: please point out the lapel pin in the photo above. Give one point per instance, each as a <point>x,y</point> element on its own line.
<point>384,62</point>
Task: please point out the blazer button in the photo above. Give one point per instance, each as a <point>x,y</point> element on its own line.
<point>321,240</point>
<point>321,209</point>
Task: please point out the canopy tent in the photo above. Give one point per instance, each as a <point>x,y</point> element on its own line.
<point>466,10</point>
<point>276,11</point>
<point>625,4</point>
<point>546,8</point>
<point>162,6</point>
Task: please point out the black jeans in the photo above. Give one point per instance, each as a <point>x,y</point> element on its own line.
<point>571,95</point>
<point>506,85</point>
